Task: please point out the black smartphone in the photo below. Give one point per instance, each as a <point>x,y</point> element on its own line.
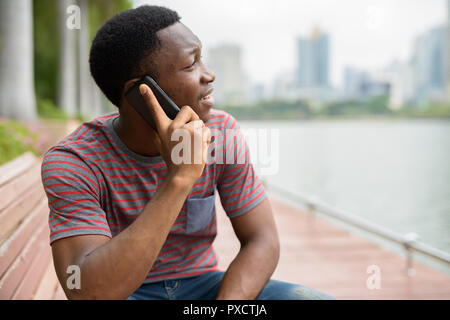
<point>135,99</point>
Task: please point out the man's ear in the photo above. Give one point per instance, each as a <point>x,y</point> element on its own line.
<point>129,84</point>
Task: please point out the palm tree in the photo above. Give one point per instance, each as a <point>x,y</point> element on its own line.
<point>17,96</point>
<point>67,64</point>
<point>92,101</point>
<point>100,11</point>
<point>85,83</point>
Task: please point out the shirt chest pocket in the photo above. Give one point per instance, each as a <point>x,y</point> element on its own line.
<point>201,215</point>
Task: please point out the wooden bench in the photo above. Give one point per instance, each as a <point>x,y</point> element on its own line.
<point>26,264</point>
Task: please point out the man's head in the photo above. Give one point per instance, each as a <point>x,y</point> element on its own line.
<point>151,40</point>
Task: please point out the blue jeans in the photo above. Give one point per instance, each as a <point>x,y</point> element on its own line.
<point>206,287</point>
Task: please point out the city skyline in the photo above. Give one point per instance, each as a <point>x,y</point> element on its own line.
<point>313,55</point>
<point>364,34</point>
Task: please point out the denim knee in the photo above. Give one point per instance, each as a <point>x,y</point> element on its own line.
<point>280,290</point>
<point>299,292</point>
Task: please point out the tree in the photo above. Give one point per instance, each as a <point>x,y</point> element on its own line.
<point>17,95</point>
<point>100,11</point>
<point>61,58</point>
<point>46,50</point>
<point>67,64</point>
<point>93,15</point>
<point>87,104</point>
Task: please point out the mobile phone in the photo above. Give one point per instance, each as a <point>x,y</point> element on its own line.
<point>135,99</point>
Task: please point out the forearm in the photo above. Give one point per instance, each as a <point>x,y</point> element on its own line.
<point>250,270</point>
<point>117,268</point>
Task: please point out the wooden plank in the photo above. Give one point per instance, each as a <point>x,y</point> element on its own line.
<point>60,295</point>
<point>25,253</point>
<point>12,247</point>
<point>23,181</point>
<point>46,288</point>
<point>12,277</point>
<point>11,217</point>
<point>10,170</point>
<point>35,271</point>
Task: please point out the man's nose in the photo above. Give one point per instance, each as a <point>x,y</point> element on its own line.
<point>208,75</point>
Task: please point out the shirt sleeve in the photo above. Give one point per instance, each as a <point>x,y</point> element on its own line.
<point>73,193</point>
<point>239,187</point>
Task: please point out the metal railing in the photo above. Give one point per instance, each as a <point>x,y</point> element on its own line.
<point>408,241</point>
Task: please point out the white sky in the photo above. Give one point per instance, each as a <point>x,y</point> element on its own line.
<point>367,34</point>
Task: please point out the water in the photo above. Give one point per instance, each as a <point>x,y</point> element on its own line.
<point>395,173</point>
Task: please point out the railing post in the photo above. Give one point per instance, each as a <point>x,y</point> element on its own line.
<point>312,209</point>
<point>408,240</point>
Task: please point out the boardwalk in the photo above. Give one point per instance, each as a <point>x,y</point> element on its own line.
<point>322,256</point>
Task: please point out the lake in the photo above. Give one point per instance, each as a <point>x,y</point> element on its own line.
<point>395,173</point>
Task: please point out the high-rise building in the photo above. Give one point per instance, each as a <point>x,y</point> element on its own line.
<point>353,82</point>
<point>284,87</point>
<point>313,60</point>
<point>230,87</point>
<point>429,65</point>
<point>447,52</point>
<point>360,85</point>
<point>402,85</point>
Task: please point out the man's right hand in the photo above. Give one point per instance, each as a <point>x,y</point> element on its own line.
<point>186,124</point>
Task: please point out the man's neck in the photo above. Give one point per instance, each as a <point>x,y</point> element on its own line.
<point>136,135</point>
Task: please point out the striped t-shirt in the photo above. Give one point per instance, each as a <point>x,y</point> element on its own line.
<point>96,185</point>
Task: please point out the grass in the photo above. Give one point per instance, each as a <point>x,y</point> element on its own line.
<point>47,109</point>
<point>15,139</point>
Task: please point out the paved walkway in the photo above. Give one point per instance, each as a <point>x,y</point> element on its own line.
<point>320,255</point>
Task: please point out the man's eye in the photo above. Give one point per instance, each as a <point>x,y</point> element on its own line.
<point>193,63</point>
<point>190,66</point>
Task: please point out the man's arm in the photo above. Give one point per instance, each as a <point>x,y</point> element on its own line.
<point>115,268</point>
<point>257,257</point>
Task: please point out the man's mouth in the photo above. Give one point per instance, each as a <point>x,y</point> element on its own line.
<point>207,94</point>
<point>206,99</point>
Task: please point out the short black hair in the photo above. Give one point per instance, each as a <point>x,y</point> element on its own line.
<point>122,42</point>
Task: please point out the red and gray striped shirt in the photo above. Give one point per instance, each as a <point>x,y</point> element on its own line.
<point>96,185</point>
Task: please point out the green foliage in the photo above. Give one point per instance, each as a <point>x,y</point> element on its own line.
<point>274,109</point>
<point>46,50</point>
<point>81,118</point>
<point>102,10</point>
<point>373,107</point>
<point>15,139</point>
<point>46,44</point>
<point>440,110</point>
<point>430,111</point>
<point>48,110</point>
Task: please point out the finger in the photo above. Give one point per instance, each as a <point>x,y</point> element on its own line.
<point>206,142</point>
<point>195,126</point>
<point>185,115</point>
<point>156,111</point>
<point>206,137</point>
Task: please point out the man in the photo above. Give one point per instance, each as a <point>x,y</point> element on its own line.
<point>136,223</point>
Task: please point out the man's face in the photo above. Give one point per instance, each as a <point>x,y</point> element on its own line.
<point>182,74</point>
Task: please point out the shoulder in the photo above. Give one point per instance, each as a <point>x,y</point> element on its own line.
<point>87,131</point>
<point>87,138</point>
<point>63,168</point>
<point>221,120</point>
<point>78,147</point>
